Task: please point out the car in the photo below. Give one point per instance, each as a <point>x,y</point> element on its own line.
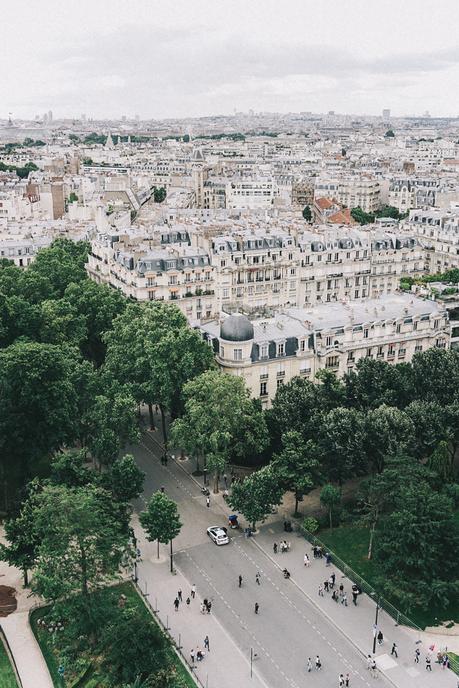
<point>218,534</point>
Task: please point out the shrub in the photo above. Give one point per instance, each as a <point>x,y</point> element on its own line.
<point>311,524</point>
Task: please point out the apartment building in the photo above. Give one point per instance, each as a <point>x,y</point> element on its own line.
<point>437,231</point>
<point>269,352</point>
<point>251,192</point>
<point>350,191</point>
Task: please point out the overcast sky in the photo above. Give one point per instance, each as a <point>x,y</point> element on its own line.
<point>178,58</point>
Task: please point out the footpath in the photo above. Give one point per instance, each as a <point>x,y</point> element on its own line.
<point>224,666</point>
<point>30,664</point>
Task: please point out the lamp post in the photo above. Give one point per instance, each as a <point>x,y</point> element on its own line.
<point>375,626</point>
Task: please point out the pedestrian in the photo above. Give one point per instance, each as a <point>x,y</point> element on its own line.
<point>341,681</point>
<point>347,681</point>
<point>205,602</point>
<point>380,638</point>
<point>176,603</point>
<point>188,601</point>
<point>209,606</point>
<point>275,548</point>
<point>192,656</point>
<point>207,502</point>
<point>314,552</point>
<point>326,586</point>
<point>445,662</point>
<point>341,590</point>
<point>282,547</point>
<point>417,652</point>
<point>257,607</point>
<point>162,488</point>
<point>335,596</point>
<point>306,560</point>
<point>394,650</point>
<point>138,555</point>
<point>240,581</point>
<point>207,643</point>
<point>203,608</point>
<point>225,479</point>
<point>373,668</point>
<point>309,665</point>
<point>333,578</point>
<point>179,595</point>
<point>354,597</point>
<point>428,663</point>
<point>257,578</point>
<point>344,599</point>
<point>327,559</point>
<point>321,591</point>
<point>193,591</point>
<point>369,661</point>
<point>199,655</point>
<point>318,663</point>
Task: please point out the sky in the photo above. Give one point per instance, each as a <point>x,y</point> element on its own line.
<point>188,58</point>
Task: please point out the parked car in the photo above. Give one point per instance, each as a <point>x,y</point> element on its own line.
<point>218,534</point>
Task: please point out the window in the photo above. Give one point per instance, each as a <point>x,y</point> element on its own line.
<point>329,340</point>
<point>436,324</point>
<point>302,345</point>
<point>281,370</point>
<point>332,362</point>
<point>365,333</point>
<point>263,389</point>
<point>226,293</point>
<point>279,383</point>
<point>173,279</point>
<point>264,351</point>
<point>264,373</point>
<point>281,349</point>
<point>222,352</point>
<point>397,329</point>
<point>237,354</point>
<point>151,295</point>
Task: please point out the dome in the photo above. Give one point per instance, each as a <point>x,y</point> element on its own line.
<point>236,328</point>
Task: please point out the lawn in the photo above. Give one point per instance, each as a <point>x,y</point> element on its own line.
<point>88,673</point>
<point>350,543</point>
<point>7,675</point>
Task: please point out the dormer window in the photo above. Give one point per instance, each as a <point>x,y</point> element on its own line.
<point>281,349</point>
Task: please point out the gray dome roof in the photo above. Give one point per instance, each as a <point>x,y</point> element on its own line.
<point>236,328</point>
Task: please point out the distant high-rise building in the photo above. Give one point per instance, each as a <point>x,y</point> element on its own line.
<point>386,115</point>
<point>123,118</point>
<point>50,116</point>
<point>83,117</point>
<point>45,118</point>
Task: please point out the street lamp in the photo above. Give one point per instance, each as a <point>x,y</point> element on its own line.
<point>375,626</point>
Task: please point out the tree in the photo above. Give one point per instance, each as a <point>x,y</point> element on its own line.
<point>436,375</point>
<point>218,411</point>
<point>341,444</point>
<point>373,383</point>
<point>389,134</point>
<point>362,217</point>
<point>307,213</point>
<point>99,305</point>
<point>429,421</point>
<point>82,543</point>
<point>388,431</point>
<point>441,461</point>
<point>61,263</point>
<point>153,352</point>
<point>296,465</point>
<point>61,324</point>
<point>418,547</point>
<point>159,194</point>
<point>125,480</point>
<point>330,497</point>
<point>161,521</point>
<point>256,495</point>
<point>67,468</point>
<point>73,197</point>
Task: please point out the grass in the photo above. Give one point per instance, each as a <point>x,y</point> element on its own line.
<point>350,543</point>
<point>7,675</point>
<point>89,674</point>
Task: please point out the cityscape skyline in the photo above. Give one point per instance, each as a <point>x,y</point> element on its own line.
<point>212,59</point>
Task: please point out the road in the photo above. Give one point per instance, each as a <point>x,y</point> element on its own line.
<point>289,627</point>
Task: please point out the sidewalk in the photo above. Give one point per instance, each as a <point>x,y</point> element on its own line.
<point>224,666</point>
<point>29,660</point>
<point>356,622</point>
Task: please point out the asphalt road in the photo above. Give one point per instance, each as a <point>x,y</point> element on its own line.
<point>288,628</point>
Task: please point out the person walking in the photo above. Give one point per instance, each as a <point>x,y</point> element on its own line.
<point>188,601</point>
<point>341,681</point>
<point>209,606</point>
<point>203,608</point>
<point>428,663</point>
<point>208,502</point>
<point>347,681</point>
<point>344,599</point>
<point>335,596</point>
<point>225,479</point>
<point>380,638</point>
<point>192,656</point>
<point>257,578</point>
<point>417,652</point>
<point>309,665</point>
<point>275,548</point>
<point>341,589</point>
<point>321,591</point>
<point>193,591</point>
<point>207,643</point>
<point>374,668</point>
<point>354,598</point>
<point>394,650</point>
<point>326,586</point>
<point>369,661</point>
<point>306,560</point>
<point>176,603</point>
<point>240,581</point>
<point>257,607</point>
<point>318,663</point>
<point>179,595</point>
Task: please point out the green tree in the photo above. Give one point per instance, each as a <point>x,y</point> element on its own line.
<point>218,411</point>
<point>341,444</point>
<point>153,352</point>
<point>330,498</point>
<point>389,134</point>
<point>428,419</point>
<point>373,383</point>
<point>62,263</point>
<point>159,194</point>
<point>68,469</point>
<point>441,461</point>
<point>388,431</point>
<point>296,465</point>
<point>362,217</point>
<point>436,375</point>
<point>161,521</point>
<point>73,197</point>
<point>61,324</point>
<point>296,406</point>
<point>125,480</point>
<point>82,544</point>
<point>256,495</point>
<point>307,213</point>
